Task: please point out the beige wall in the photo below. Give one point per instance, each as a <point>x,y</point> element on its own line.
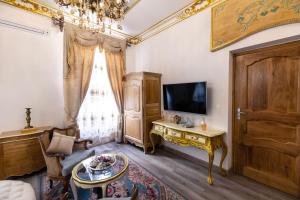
<point>30,71</point>
<point>182,54</point>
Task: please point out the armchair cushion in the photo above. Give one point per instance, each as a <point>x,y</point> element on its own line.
<point>70,161</point>
<point>61,144</point>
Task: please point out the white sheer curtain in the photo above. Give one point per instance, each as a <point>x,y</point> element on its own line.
<point>98,115</point>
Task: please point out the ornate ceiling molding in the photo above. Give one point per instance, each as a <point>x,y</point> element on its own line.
<point>171,20</point>
<point>49,11</point>
<point>164,24</point>
<point>32,6</point>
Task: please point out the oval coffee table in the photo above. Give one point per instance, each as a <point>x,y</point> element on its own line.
<point>86,178</point>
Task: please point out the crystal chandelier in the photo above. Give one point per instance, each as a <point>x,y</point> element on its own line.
<point>94,14</point>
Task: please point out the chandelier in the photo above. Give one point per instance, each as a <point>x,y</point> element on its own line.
<point>93,14</point>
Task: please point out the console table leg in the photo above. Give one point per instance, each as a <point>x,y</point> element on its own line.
<point>210,164</point>
<point>224,153</point>
<point>152,142</point>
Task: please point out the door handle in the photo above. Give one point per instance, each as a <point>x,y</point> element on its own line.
<point>239,113</point>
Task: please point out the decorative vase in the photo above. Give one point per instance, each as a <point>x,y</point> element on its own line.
<point>28,118</point>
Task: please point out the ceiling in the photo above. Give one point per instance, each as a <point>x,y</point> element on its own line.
<point>148,12</point>
<point>143,14</point>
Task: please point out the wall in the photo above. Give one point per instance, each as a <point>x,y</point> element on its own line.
<point>182,54</point>
<point>31,72</point>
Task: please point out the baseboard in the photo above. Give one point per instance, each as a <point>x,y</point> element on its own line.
<point>192,159</point>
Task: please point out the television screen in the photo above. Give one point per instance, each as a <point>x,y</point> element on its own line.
<point>185,97</point>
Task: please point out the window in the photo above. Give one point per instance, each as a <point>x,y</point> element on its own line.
<point>98,115</point>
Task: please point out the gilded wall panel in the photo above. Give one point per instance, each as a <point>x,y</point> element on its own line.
<point>233,20</point>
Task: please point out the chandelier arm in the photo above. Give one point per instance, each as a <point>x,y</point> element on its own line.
<point>92,13</point>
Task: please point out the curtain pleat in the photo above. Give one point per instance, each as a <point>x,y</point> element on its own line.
<point>76,82</point>
<point>116,73</point>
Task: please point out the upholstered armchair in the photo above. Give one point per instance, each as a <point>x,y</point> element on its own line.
<point>59,166</point>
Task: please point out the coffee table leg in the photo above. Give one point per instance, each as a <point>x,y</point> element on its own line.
<point>98,191</point>
<point>73,188</point>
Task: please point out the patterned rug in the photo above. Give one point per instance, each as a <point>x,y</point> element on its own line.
<point>149,187</point>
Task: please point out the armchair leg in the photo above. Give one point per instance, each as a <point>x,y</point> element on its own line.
<point>51,183</point>
<point>65,184</point>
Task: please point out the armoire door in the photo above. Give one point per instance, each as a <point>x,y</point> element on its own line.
<point>152,103</point>
<point>266,137</point>
<point>133,118</point>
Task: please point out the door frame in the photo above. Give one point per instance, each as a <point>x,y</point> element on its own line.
<point>232,71</point>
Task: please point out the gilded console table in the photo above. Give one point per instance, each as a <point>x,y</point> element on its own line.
<point>209,141</point>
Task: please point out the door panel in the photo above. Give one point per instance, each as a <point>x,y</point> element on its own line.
<point>266,139</point>
<point>272,130</point>
<point>133,95</point>
<point>133,127</point>
<point>275,79</point>
<point>152,86</point>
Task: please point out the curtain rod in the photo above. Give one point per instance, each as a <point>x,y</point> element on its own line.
<point>22,27</point>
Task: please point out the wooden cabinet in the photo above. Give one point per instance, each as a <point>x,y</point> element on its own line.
<point>142,106</point>
<point>20,153</point>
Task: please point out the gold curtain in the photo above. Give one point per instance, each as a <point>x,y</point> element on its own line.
<point>116,72</point>
<point>76,81</point>
<point>79,51</point>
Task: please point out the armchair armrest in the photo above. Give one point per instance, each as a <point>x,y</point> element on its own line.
<point>57,155</point>
<point>83,142</point>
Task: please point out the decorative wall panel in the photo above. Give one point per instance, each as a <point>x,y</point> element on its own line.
<point>233,20</point>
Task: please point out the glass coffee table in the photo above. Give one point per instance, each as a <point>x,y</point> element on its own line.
<point>85,177</point>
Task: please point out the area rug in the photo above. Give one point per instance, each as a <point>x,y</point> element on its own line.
<point>149,187</point>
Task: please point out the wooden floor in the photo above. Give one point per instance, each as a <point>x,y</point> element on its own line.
<point>188,178</point>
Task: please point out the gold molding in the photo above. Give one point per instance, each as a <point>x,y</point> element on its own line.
<point>174,18</point>
<point>32,6</point>
<point>49,11</point>
<point>134,40</point>
<point>162,25</point>
<point>132,6</point>
<point>195,8</point>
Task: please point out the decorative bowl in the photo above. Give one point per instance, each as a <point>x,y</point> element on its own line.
<point>102,162</point>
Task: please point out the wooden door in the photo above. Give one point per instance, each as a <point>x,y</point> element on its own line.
<point>133,119</point>
<point>266,138</point>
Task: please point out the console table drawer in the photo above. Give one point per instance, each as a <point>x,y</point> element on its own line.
<point>174,133</point>
<point>159,128</point>
<point>195,138</point>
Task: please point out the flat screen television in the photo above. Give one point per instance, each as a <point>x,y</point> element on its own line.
<point>185,97</point>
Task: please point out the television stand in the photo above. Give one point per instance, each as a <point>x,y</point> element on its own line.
<point>209,141</point>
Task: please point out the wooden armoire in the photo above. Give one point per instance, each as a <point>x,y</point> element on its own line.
<point>142,106</point>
